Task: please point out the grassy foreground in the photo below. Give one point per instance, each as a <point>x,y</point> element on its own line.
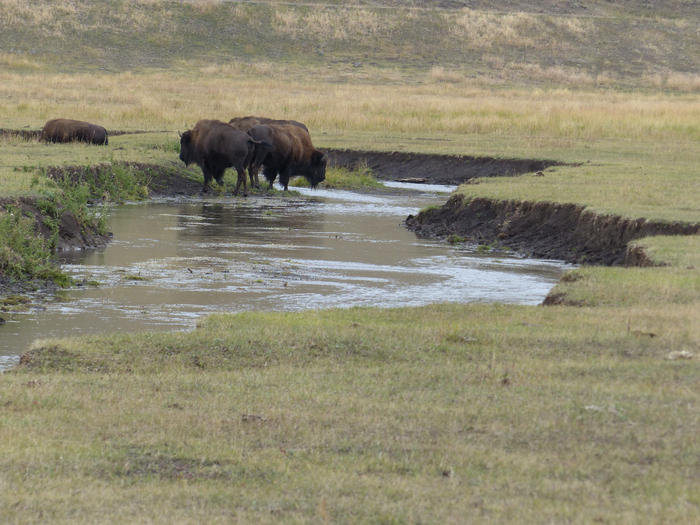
<point>441,414</point>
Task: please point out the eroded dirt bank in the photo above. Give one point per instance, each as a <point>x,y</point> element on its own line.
<point>565,232</point>
<point>434,169</point>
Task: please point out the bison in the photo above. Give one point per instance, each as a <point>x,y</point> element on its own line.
<point>245,123</point>
<point>292,154</point>
<point>214,146</point>
<point>67,130</point>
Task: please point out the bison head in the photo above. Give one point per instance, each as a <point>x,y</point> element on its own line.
<point>187,150</point>
<point>316,172</point>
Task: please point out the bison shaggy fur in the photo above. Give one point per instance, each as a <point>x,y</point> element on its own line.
<point>67,130</point>
<point>292,154</point>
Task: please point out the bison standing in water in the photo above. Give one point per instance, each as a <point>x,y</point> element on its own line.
<point>292,154</point>
<point>67,130</point>
<point>244,124</point>
<point>214,146</point>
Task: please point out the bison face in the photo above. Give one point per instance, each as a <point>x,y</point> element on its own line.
<point>187,151</point>
<point>316,172</point>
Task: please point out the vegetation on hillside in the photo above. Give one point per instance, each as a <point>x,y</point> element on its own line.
<point>595,43</point>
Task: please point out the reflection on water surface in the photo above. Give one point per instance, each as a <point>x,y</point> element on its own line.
<point>172,262</point>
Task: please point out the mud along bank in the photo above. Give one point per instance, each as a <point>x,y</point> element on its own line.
<point>65,214</point>
<point>566,232</point>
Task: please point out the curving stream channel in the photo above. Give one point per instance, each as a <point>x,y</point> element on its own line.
<point>176,260</point>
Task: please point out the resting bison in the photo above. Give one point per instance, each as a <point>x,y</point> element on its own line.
<point>66,130</point>
<point>215,146</point>
<point>292,154</point>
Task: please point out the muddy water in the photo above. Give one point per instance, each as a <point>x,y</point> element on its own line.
<point>174,261</point>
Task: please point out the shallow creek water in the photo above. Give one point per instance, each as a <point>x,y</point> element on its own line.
<point>174,261</point>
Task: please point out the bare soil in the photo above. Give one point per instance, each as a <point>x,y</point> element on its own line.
<point>434,169</point>
<point>565,232</point>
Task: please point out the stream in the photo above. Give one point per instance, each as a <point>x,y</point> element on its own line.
<point>173,261</point>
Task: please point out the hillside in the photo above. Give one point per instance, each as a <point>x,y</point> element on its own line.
<point>504,43</point>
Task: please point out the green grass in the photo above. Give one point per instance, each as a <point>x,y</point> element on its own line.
<point>442,413</point>
<point>342,178</point>
<point>23,254</point>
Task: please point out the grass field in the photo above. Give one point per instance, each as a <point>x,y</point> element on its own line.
<point>441,414</point>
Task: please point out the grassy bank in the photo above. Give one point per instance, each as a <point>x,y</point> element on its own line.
<point>441,414</point>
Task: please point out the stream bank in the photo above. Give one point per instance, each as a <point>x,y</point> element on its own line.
<point>566,232</point>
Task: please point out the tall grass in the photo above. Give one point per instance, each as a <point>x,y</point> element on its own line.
<point>23,253</point>
<point>444,105</point>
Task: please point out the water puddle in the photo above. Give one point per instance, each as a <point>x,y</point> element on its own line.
<point>172,262</point>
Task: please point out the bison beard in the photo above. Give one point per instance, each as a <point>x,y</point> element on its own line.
<point>67,130</point>
<point>292,155</point>
<point>214,146</point>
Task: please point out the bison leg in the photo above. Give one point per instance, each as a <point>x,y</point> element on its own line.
<point>253,174</point>
<point>242,179</point>
<point>284,178</point>
<point>261,150</point>
<point>270,175</point>
<point>207,178</point>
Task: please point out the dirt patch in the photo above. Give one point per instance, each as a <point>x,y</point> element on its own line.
<point>566,232</point>
<point>168,182</point>
<point>434,169</point>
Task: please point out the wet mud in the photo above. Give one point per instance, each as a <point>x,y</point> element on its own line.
<point>566,232</point>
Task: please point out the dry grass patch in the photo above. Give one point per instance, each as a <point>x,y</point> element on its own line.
<point>448,104</point>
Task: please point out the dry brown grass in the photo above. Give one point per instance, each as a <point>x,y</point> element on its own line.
<point>332,24</point>
<point>483,30</point>
<point>685,82</point>
<point>449,103</point>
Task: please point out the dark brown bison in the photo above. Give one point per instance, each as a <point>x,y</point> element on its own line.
<point>67,130</point>
<point>292,154</point>
<point>245,123</point>
<point>214,146</point>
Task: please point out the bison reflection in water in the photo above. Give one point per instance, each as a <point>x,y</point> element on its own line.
<point>67,130</point>
<point>292,154</point>
<point>214,146</point>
